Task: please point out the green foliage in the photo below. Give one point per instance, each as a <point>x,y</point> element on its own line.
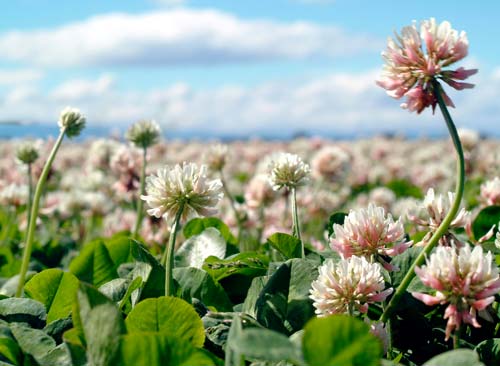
<point>23,311</point>
<point>489,351</point>
<point>458,357</point>
<point>286,244</point>
<point>336,218</point>
<point>168,315</point>
<point>55,289</point>
<point>485,219</point>
<point>198,225</point>
<point>197,248</point>
<point>340,340</point>
<point>403,188</point>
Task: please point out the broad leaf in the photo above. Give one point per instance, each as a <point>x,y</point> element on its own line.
<point>458,357</point>
<point>168,315</point>
<point>23,310</point>
<point>286,244</point>
<point>197,248</point>
<point>55,289</point>
<point>484,220</point>
<point>489,351</point>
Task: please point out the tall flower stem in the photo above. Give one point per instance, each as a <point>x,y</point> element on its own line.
<point>30,198</point>
<point>168,255</point>
<point>140,203</point>
<point>34,213</point>
<point>232,201</point>
<point>295,217</point>
<point>441,230</point>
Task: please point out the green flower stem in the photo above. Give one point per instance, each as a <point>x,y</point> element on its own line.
<point>441,230</point>
<point>295,217</point>
<point>168,255</point>
<point>140,202</point>
<point>34,213</point>
<point>232,201</point>
<point>30,198</point>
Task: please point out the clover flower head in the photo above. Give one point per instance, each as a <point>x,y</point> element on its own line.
<point>370,233</point>
<point>288,170</point>
<point>72,121</point>
<point>216,157</point>
<point>330,163</point>
<point>465,279</point>
<point>183,187</point>
<point>490,192</point>
<point>144,133</point>
<point>14,195</point>
<point>28,151</point>
<point>348,285</point>
<point>413,60</point>
<point>259,192</point>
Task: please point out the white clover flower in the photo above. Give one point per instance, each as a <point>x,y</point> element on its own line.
<point>28,151</point>
<point>466,280</point>
<point>370,233</point>
<point>469,138</point>
<point>259,192</point>
<point>144,133</point>
<point>348,285</point>
<point>288,170</point>
<point>331,163</point>
<point>490,192</point>
<point>216,156</point>
<point>14,195</point>
<point>185,187</point>
<point>72,121</point>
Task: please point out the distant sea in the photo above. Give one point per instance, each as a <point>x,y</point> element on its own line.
<point>41,130</point>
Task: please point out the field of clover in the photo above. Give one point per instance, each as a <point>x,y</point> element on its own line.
<point>309,252</point>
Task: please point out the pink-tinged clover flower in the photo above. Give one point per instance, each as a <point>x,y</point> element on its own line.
<point>370,233</point>
<point>431,213</point>
<point>414,59</point>
<point>490,192</point>
<point>347,286</point>
<point>466,280</point>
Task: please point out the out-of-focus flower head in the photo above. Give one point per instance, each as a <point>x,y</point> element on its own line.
<point>144,133</point>
<point>28,151</point>
<point>370,233</point>
<point>258,192</point>
<point>409,69</point>
<point>466,280</point>
<point>431,213</point>
<point>288,170</point>
<point>331,163</point>
<point>14,195</point>
<point>185,187</point>
<point>72,121</point>
<point>348,285</point>
<point>469,138</point>
<point>215,158</point>
<point>490,192</point>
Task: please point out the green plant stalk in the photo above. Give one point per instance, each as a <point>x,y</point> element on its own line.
<point>232,201</point>
<point>30,198</point>
<point>443,228</point>
<point>168,259</point>
<point>295,217</point>
<point>34,213</point>
<point>140,202</point>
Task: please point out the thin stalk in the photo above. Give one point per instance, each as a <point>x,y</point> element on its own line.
<point>456,339</point>
<point>295,217</point>
<point>168,255</point>
<point>30,198</point>
<point>232,201</point>
<point>140,202</point>
<point>442,229</point>
<point>34,214</point>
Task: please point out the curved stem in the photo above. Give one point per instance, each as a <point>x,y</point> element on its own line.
<point>295,217</point>
<point>30,198</point>
<point>34,214</point>
<point>168,255</point>
<point>140,202</point>
<point>442,229</point>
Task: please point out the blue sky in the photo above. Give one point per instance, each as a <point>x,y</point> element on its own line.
<point>231,67</point>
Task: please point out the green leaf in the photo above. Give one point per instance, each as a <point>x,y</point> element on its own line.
<point>196,283</point>
<point>55,289</point>
<point>42,347</point>
<point>340,340</point>
<point>336,218</point>
<point>23,310</point>
<point>169,315</point>
<point>10,350</point>
<point>403,261</point>
<point>151,272</point>
<point>102,325</point>
<point>266,345</point>
<point>458,357</point>
<point>403,188</point>
<point>197,225</point>
<point>286,244</point>
<point>159,349</point>
<point>197,248</point>
<point>489,351</point>
<point>94,264</point>
<point>485,219</point>
<point>76,347</point>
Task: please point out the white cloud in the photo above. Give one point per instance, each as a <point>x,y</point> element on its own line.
<point>178,37</point>
<point>170,3</point>
<point>339,103</point>
<point>19,76</point>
